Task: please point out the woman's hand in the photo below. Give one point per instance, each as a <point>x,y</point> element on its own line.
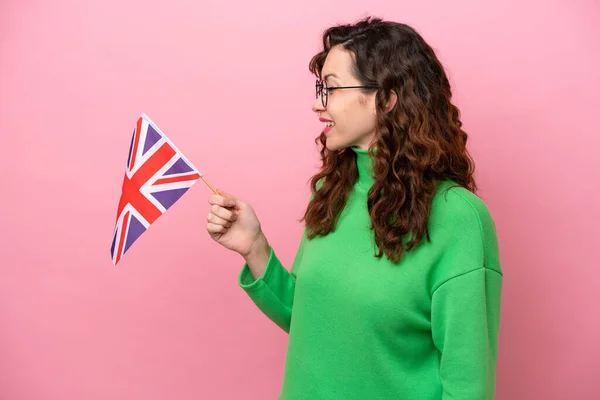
<point>233,224</point>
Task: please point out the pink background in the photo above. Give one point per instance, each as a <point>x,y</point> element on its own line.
<point>229,84</point>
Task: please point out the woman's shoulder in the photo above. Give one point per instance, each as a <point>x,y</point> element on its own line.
<point>463,231</point>
<point>456,207</point>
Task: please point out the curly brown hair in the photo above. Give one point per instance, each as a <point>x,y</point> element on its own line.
<point>417,143</point>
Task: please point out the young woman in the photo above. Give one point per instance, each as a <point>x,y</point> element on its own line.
<point>395,291</point>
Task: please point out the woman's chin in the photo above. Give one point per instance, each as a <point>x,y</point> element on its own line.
<point>332,144</point>
<point>331,147</point>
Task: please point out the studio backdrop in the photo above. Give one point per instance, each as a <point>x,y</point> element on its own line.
<point>228,82</point>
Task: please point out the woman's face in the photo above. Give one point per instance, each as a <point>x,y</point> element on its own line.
<point>353,113</point>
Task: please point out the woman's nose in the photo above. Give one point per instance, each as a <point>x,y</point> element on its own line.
<point>317,105</point>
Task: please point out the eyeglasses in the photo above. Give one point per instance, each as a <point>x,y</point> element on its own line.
<point>323,90</point>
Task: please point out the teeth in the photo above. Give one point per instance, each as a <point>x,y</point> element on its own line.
<point>328,124</point>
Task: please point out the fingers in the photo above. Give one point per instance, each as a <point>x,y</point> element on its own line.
<point>224,213</point>
<point>215,228</point>
<point>214,219</point>
<point>222,199</point>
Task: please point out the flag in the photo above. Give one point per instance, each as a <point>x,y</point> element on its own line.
<point>156,176</point>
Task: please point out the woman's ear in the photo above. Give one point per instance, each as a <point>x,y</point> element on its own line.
<point>392,100</point>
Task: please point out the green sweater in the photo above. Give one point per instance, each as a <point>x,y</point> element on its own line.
<point>363,328</point>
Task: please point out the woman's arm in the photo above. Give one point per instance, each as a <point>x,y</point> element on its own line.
<point>270,286</point>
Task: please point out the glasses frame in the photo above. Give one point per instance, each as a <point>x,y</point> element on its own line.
<point>323,90</point>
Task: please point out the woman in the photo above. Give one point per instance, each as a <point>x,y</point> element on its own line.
<point>395,290</point>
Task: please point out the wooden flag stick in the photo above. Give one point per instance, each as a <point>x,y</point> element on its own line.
<point>215,191</point>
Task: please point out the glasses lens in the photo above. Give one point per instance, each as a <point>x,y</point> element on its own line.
<point>321,91</point>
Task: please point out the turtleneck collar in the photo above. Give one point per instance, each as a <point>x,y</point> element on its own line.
<point>364,163</point>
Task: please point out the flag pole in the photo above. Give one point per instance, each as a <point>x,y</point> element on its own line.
<point>209,185</point>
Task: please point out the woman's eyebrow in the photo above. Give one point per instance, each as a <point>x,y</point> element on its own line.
<point>331,75</point>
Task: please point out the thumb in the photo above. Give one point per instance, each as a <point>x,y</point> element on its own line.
<point>228,196</point>
<point>225,194</point>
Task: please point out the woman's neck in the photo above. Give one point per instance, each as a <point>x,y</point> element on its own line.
<point>364,163</point>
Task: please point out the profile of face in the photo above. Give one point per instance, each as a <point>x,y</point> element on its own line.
<point>351,111</point>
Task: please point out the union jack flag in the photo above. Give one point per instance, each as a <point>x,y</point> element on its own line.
<point>157,175</point>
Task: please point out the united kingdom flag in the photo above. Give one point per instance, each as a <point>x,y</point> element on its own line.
<point>157,175</point>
